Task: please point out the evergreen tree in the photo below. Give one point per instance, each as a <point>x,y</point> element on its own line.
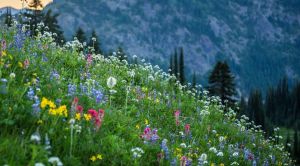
<point>94,42</point>
<point>121,54</point>
<point>171,67</point>
<point>243,107</point>
<point>221,83</point>
<point>296,105</point>
<point>8,17</point>
<point>80,35</point>
<point>181,67</point>
<point>176,64</point>
<point>255,108</point>
<point>50,21</point>
<point>270,105</point>
<point>194,81</point>
<point>282,102</point>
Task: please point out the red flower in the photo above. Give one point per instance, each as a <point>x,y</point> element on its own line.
<point>93,113</point>
<point>79,108</point>
<point>26,63</point>
<point>177,113</point>
<point>75,101</point>
<point>187,129</point>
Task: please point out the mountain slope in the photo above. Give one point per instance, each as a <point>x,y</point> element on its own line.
<point>59,106</point>
<point>260,39</point>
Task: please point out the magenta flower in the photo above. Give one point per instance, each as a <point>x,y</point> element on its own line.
<point>177,114</point>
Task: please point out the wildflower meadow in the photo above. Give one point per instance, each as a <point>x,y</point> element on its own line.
<point>65,105</point>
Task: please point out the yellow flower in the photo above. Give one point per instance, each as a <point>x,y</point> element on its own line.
<point>51,104</point>
<point>3,53</point>
<point>53,111</point>
<point>212,164</point>
<point>221,164</point>
<point>77,116</point>
<point>137,126</point>
<point>146,122</point>
<point>40,121</point>
<point>44,102</point>
<point>99,156</point>
<point>20,64</point>
<point>62,110</point>
<point>93,158</point>
<point>87,117</point>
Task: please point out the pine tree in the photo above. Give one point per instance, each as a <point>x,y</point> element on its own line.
<point>243,107</point>
<point>221,83</point>
<point>194,81</point>
<point>255,108</point>
<point>121,54</point>
<point>181,67</point>
<point>80,35</point>
<point>171,65</point>
<point>8,17</point>
<point>50,21</point>
<point>176,64</point>
<point>94,42</point>
<point>270,105</point>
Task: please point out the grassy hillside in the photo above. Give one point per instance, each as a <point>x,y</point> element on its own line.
<point>59,105</point>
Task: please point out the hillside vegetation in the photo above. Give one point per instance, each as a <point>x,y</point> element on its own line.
<point>66,106</point>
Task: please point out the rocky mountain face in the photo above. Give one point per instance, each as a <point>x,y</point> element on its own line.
<point>260,39</point>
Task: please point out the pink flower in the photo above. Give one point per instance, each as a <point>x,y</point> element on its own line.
<point>89,59</point>
<point>26,63</point>
<point>187,129</point>
<point>93,113</point>
<point>79,108</point>
<point>177,114</point>
<point>75,101</point>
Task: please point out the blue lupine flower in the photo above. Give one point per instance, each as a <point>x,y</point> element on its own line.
<point>165,148</point>
<point>71,90</point>
<point>36,106</point>
<point>30,93</point>
<point>173,162</point>
<point>188,162</point>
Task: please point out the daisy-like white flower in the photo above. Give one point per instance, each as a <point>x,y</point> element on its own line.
<point>111,82</point>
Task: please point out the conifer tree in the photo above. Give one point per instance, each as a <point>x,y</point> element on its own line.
<point>50,21</point>
<point>181,67</point>
<point>221,83</point>
<point>121,54</point>
<point>194,81</point>
<point>94,42</point>
<point>8,17</point>
<point>270,104</point>
<point>176,64</point>
<point>255,108</point>
<point>171,65</point>
<point>80,35</point>
<point>243,107</point>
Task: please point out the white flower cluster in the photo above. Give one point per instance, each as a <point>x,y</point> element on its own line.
<point>137,152</point>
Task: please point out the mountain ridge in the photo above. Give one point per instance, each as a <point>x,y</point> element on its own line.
<point>259,39</point>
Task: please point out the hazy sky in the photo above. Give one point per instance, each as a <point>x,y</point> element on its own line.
<point>18,3</point>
